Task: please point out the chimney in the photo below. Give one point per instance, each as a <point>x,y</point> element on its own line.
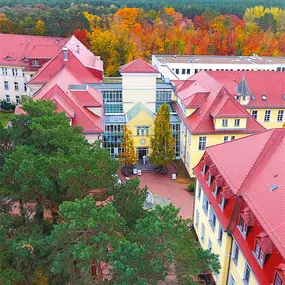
<point>78,48</point>
<point>65,54</point>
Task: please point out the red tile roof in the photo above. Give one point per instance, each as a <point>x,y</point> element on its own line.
<point>137,66</point>
<point>19,47</point>
<point>80,63</point>
<point>250,167</point>
<point>259,83</point>
<point>56,90</point>
<point>89,97</point>
<point>216,100</point>
<point>265,242</point>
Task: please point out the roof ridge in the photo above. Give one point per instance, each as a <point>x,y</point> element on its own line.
<point>256,161</point>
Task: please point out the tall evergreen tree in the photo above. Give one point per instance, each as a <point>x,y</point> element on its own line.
<point>162,144</point>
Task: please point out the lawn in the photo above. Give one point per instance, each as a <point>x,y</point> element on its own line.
<point>5,117</point>
<point>182,175</point>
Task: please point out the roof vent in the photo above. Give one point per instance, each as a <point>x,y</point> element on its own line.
<point>78,48</point>
<point>253,97</point>
<point>273,187</point>
<point>29,40</point>
<point>200,112</point>
<point>9,57</point>
<point>263,97</point>
<point>57,42</point>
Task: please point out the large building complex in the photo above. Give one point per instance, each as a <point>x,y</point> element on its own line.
<point>183,66</point>
<point>240,208</point>
<point>20,57</point>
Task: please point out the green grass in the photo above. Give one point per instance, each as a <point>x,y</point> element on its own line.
<point>5,117</point>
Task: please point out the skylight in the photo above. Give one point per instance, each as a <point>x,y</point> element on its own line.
<point>263,97</point>
<point>253,97</point>
<point>273,187</point>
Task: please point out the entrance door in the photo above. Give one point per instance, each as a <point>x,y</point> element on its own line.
<point>141,151</point>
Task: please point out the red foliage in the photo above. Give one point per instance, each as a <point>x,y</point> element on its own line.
<point>82,35</point>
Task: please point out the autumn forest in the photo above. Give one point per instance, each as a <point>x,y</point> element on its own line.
<point>119,35</point>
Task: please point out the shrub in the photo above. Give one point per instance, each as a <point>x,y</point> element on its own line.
<point>7,106</point>
<point>191,187</point>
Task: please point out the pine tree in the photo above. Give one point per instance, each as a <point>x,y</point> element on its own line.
<point>162,144</point>
<point>128,155</point>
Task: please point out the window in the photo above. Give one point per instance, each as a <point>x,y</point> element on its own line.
<point>183,71</point>
<point>6,85</point>
<point>232,138</point>
<point>237,122</point>
<point>202,232</point>
<point>247,272</point>
<point>280,116</point>
<point>267,115</point>
<point>242,226</point>
<point>225,122</point>
<point>277,280</point>
<point>25,87</point>
<point>236,254</point>
<point>18,100</point>
<point>112,96</point>
<point>188,71</point>
<point>31,75</point>
<point>215,190</point>
<point>163,96</point>
<point>259,254</point>
<point>16,85</point>
<point>4,71</point>
<point>254,114</point>
<point>199,192</point>
<point>8,100</point>
<point>232,280</point>
<point>142,131</point>
<point>205,205</point>
<point>35,62</point>
<point>15,71</point>
<point>209,179</point>
<point>197,218</point>
<point>210,245</point>
<point>202,143</point>
<point>204,169</point>
<point>212,219</point>
<point>226,138</point>
<point>222,202</point>
<point>220,235</point>
<point>177,71</point>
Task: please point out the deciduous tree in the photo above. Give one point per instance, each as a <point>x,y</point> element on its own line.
<point>40,28</point>
<point>162,144</point>
<point>128,155</point>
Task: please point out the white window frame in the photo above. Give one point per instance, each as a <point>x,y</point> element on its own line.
<point>215,190</point>
<point>246,266</point>
<point>226,139</point>
<point>16,86</point>
<point>232,281</point>
<point>6,85</point>
<point>222,202</point>
<point>199,192</point>
<point>4,71</point>
<point>225,123</point>
<point>259,254</point>
<point>237,122</point>
<point>235,256</point>
<point>142,131</point>
<point>14,71</point>
<point>205,205</point>
<point>35,62</point>
<point>18,99</point>
<point>280,115</point>
<point>267,115</point>
<point>25,87</point>
<point>242,226</point>
<point>202,143</point>
<point>254,114</point>
<point>197,219</point>
<point>203,232</point>
<point>212,219</point>
<point>8,99</point>
<point>209,179</point>
<point>210,245</point>
<point>220,235</point>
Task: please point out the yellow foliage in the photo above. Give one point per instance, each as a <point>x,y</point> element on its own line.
<point>40,28</point>
<point>128,156</point>
<point>169,11</point>
<point>93,20</point>
<point>40,278</point>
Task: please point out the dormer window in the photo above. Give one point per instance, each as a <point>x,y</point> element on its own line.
<point>209,179</point>
<point>278,280</point>
<point>9,57</point>
<point>35,62</point>
<point>259,253</point>
<point>222,202</point>
<point>237,122</point>
<point>204,169</point>
<point>215,190</point>
<point>242,226</point>
<point>225,122</point>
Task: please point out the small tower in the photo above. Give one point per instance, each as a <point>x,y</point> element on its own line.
<point>242,92</point>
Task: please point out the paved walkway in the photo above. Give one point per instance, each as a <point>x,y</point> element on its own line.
<point>163,185</point>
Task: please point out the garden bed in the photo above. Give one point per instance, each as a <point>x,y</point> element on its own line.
<point>182,173</point>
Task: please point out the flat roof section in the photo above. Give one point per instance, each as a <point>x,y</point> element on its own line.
<point>208,59</point>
